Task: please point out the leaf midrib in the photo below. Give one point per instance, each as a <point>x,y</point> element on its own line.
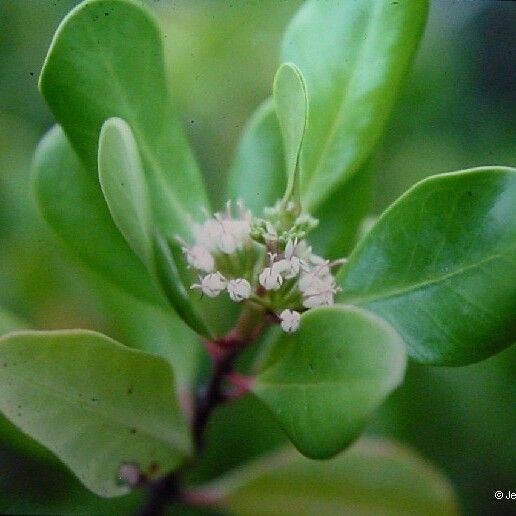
<point>379,296</point>
<point>328,140</point>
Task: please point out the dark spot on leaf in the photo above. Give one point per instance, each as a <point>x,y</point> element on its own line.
<point>132,430</point>
<point>129,391</point>
<point>32,73</point>
<point>94,399</point>
<point>192,121</point>
<point>470,194</point>
<point>106,14</point>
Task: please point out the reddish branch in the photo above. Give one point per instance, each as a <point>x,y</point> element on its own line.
<point>223,353</point>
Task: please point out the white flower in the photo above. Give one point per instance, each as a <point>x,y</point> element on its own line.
<point>289,320</point>
<point>212,284</point>
<point>208,234</point>
<point>316,278</point>
<point>223,232</point>
<point>290,266</point>
<point>322,298</point>
<point>199,257</point>
<point>319,292</point>
<point>270,278</point>
<point>239,289</point>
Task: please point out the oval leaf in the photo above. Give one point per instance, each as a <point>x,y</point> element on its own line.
<point>329,376</point>
<point>285,483</point>
<point>93,402</point>
<point>292,109</point>
<point>100,67</point>
<point>353,56</point>
<point>71,202</point>
<point>440,266</point>
<point>124,186</point>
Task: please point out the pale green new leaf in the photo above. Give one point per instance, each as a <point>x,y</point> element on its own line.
<point>353,55</point>
<point>373,477</point>
<point>329,376</point>
<point>440,266</point>
<point>71,202</point>
<point>111,65</point>
<point>93,402</point>
<point>124,186</point>
<point>292,109</point>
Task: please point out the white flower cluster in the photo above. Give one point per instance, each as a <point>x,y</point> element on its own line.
<point>293,279</point>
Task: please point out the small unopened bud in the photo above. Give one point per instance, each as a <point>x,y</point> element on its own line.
<point>239,289</point>
<point>289,320</point>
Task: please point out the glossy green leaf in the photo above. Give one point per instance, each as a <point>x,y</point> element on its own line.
<point>94,403</point>
<point>292,109</point>
<point>329,376</point>
<point>258,173</point>
<point>124,186</point>
<point>101,66</point>
<point>440,266</point>
<point>373,477</point>
<point>71,202</point>
<point>353,56</point>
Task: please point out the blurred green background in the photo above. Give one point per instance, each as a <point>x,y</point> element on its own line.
<point>456,110</point>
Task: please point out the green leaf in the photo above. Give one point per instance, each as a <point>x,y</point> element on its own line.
<point>71,202</point>
<point>440,266</point>
<point>353,56</point>
<point>124,186</point>
<point>292,109</point>
<point>372,477</point>
<point>101,66</point>
<point>329,376</point>
<point>341,214</point>
<point>258,173</point>
<point>93,402</point>
<point>156,330</point>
